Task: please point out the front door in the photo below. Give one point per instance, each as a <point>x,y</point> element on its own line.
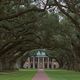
<point>41,63</point>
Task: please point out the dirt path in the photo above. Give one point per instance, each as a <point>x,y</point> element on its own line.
<point>40,75</point>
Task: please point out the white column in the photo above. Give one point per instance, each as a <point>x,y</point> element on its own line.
<point>33,62</point>
<point>43,63</point>
<point>52,64</point>
<point>48,63</point>
<point>38,62</point>
<point>29,65</point>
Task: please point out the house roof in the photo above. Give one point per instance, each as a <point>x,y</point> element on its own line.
<point>41,54</point>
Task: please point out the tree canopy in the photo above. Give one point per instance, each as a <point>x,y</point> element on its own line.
<point>53,25</point>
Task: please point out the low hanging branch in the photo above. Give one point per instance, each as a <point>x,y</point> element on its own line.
<point>21,13</point>
<point>63,11</point>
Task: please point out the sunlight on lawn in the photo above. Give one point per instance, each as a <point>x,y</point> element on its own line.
<point>18,75</point>
<point>63,75</point>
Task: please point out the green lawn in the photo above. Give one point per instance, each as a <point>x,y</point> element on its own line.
<point>63,75</point>
<point>18,75</point>
<point>29,73</point>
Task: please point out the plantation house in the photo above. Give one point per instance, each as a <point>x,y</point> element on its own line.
<point>40,60</point>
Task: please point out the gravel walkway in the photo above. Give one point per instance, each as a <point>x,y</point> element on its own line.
<point>40,75</point>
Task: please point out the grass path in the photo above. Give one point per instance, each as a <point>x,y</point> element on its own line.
<point>63,75</point>
<point>18,75</point>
